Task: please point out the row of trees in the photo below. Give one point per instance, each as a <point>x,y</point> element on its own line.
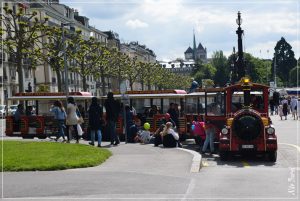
<point>28,38</point>
<point>260,70</point>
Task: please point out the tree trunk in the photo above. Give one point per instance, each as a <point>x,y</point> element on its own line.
<point>142,83</point>
<point>20,72</point>
<point>103,82</point>
<point>84,83</point>
<point>119,80</point>
<point>59,83</point>
<point>131,84</point>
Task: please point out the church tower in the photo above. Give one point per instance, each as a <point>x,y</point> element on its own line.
<point>196,53</point>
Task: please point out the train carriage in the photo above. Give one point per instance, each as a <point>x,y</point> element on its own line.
<point>42,123</point>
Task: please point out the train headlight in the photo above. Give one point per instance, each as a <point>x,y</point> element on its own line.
<point>224,131</point>
<point>270,130</point>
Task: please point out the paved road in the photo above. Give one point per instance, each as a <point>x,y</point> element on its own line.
<point>144,172</point>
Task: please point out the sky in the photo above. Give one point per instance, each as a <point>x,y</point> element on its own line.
<point>167,26</point>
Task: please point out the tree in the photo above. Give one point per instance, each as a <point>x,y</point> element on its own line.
<point>55,52</point>
<point>132,71</point>
<point>295,75</point>
<point>87,55</point>
<point>284,58</point>
<point>24,30</point>
<point>219,61</point>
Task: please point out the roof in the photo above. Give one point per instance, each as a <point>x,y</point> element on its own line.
<point>200,47</point>
<point>189,50</point>
<point>50,96</point>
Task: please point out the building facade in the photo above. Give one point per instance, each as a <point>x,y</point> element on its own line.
<point>141,53</point>
<point>196,53</point>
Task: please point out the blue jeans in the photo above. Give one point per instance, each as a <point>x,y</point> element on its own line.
<point>98,134</point>
<point>210,135</point>
<point>112,131</point>
<point>61,126</point>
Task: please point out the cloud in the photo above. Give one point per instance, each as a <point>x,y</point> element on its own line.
<point>136,24</point>
<point>162,11</point>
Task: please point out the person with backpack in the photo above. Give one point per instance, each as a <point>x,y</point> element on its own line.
<point>60,116</point>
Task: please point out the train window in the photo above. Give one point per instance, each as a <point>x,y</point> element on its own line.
<point>215,104</point>
<point>257,100</point>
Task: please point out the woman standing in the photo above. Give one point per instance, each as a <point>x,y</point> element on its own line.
<point>95,121</point>
<point>60,116</point>
<point>210,135</point>
<point>72,119</point>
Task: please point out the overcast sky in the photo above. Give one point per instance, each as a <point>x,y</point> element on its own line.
<point>166,26</point>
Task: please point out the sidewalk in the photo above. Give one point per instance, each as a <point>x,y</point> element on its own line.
<point>145,159</point>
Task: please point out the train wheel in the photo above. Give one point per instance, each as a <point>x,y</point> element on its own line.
<point>272,156</point>
<point>224,156</point>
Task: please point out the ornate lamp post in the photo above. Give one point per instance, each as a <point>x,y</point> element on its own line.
<point>240,59</point>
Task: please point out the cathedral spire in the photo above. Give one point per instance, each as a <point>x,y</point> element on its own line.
<point>194,45</point>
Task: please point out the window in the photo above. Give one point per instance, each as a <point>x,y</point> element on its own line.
<point>215,104</point>
<point>256,100</point>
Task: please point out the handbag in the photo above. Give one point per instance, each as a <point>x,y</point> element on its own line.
<point>80,120</point>
<point>79,130</point>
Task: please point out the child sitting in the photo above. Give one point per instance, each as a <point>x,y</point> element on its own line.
<point>143,136</point>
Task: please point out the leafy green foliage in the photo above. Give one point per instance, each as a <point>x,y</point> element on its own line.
<point>219,61</point>
<point>24,32</point>
<point>285,60</point>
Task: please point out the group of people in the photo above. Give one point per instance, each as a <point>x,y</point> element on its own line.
<point>71,118</point>
<point>285,106</point>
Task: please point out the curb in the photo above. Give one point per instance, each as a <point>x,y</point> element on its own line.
<point>196,162</point>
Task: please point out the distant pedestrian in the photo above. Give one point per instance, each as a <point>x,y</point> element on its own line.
<point>72,119</point>
<point>60,116</point>
<point>272,106</point>
<point>95,121</point>
<point>294,106</point>
<point>285,107</point>
<point>210,135</point>
<point>113,108</point>
<point>276,97</point>
<point>280,111</point>
<point>298,109</point>
<point>17,117</point>
<point>129,120</point>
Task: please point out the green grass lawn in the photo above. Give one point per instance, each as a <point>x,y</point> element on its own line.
<point>28,156</point>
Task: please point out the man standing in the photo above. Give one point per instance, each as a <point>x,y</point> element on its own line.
<point>113,108</point>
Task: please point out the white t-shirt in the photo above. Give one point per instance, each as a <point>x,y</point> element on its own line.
<point>172,132</point>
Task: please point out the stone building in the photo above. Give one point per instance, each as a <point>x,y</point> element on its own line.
<point>141,53</point>
<point>196,53</point>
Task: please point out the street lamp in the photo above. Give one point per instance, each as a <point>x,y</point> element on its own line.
<point>65,59</point>
<point>240,59</point>
<point>239,19</point>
